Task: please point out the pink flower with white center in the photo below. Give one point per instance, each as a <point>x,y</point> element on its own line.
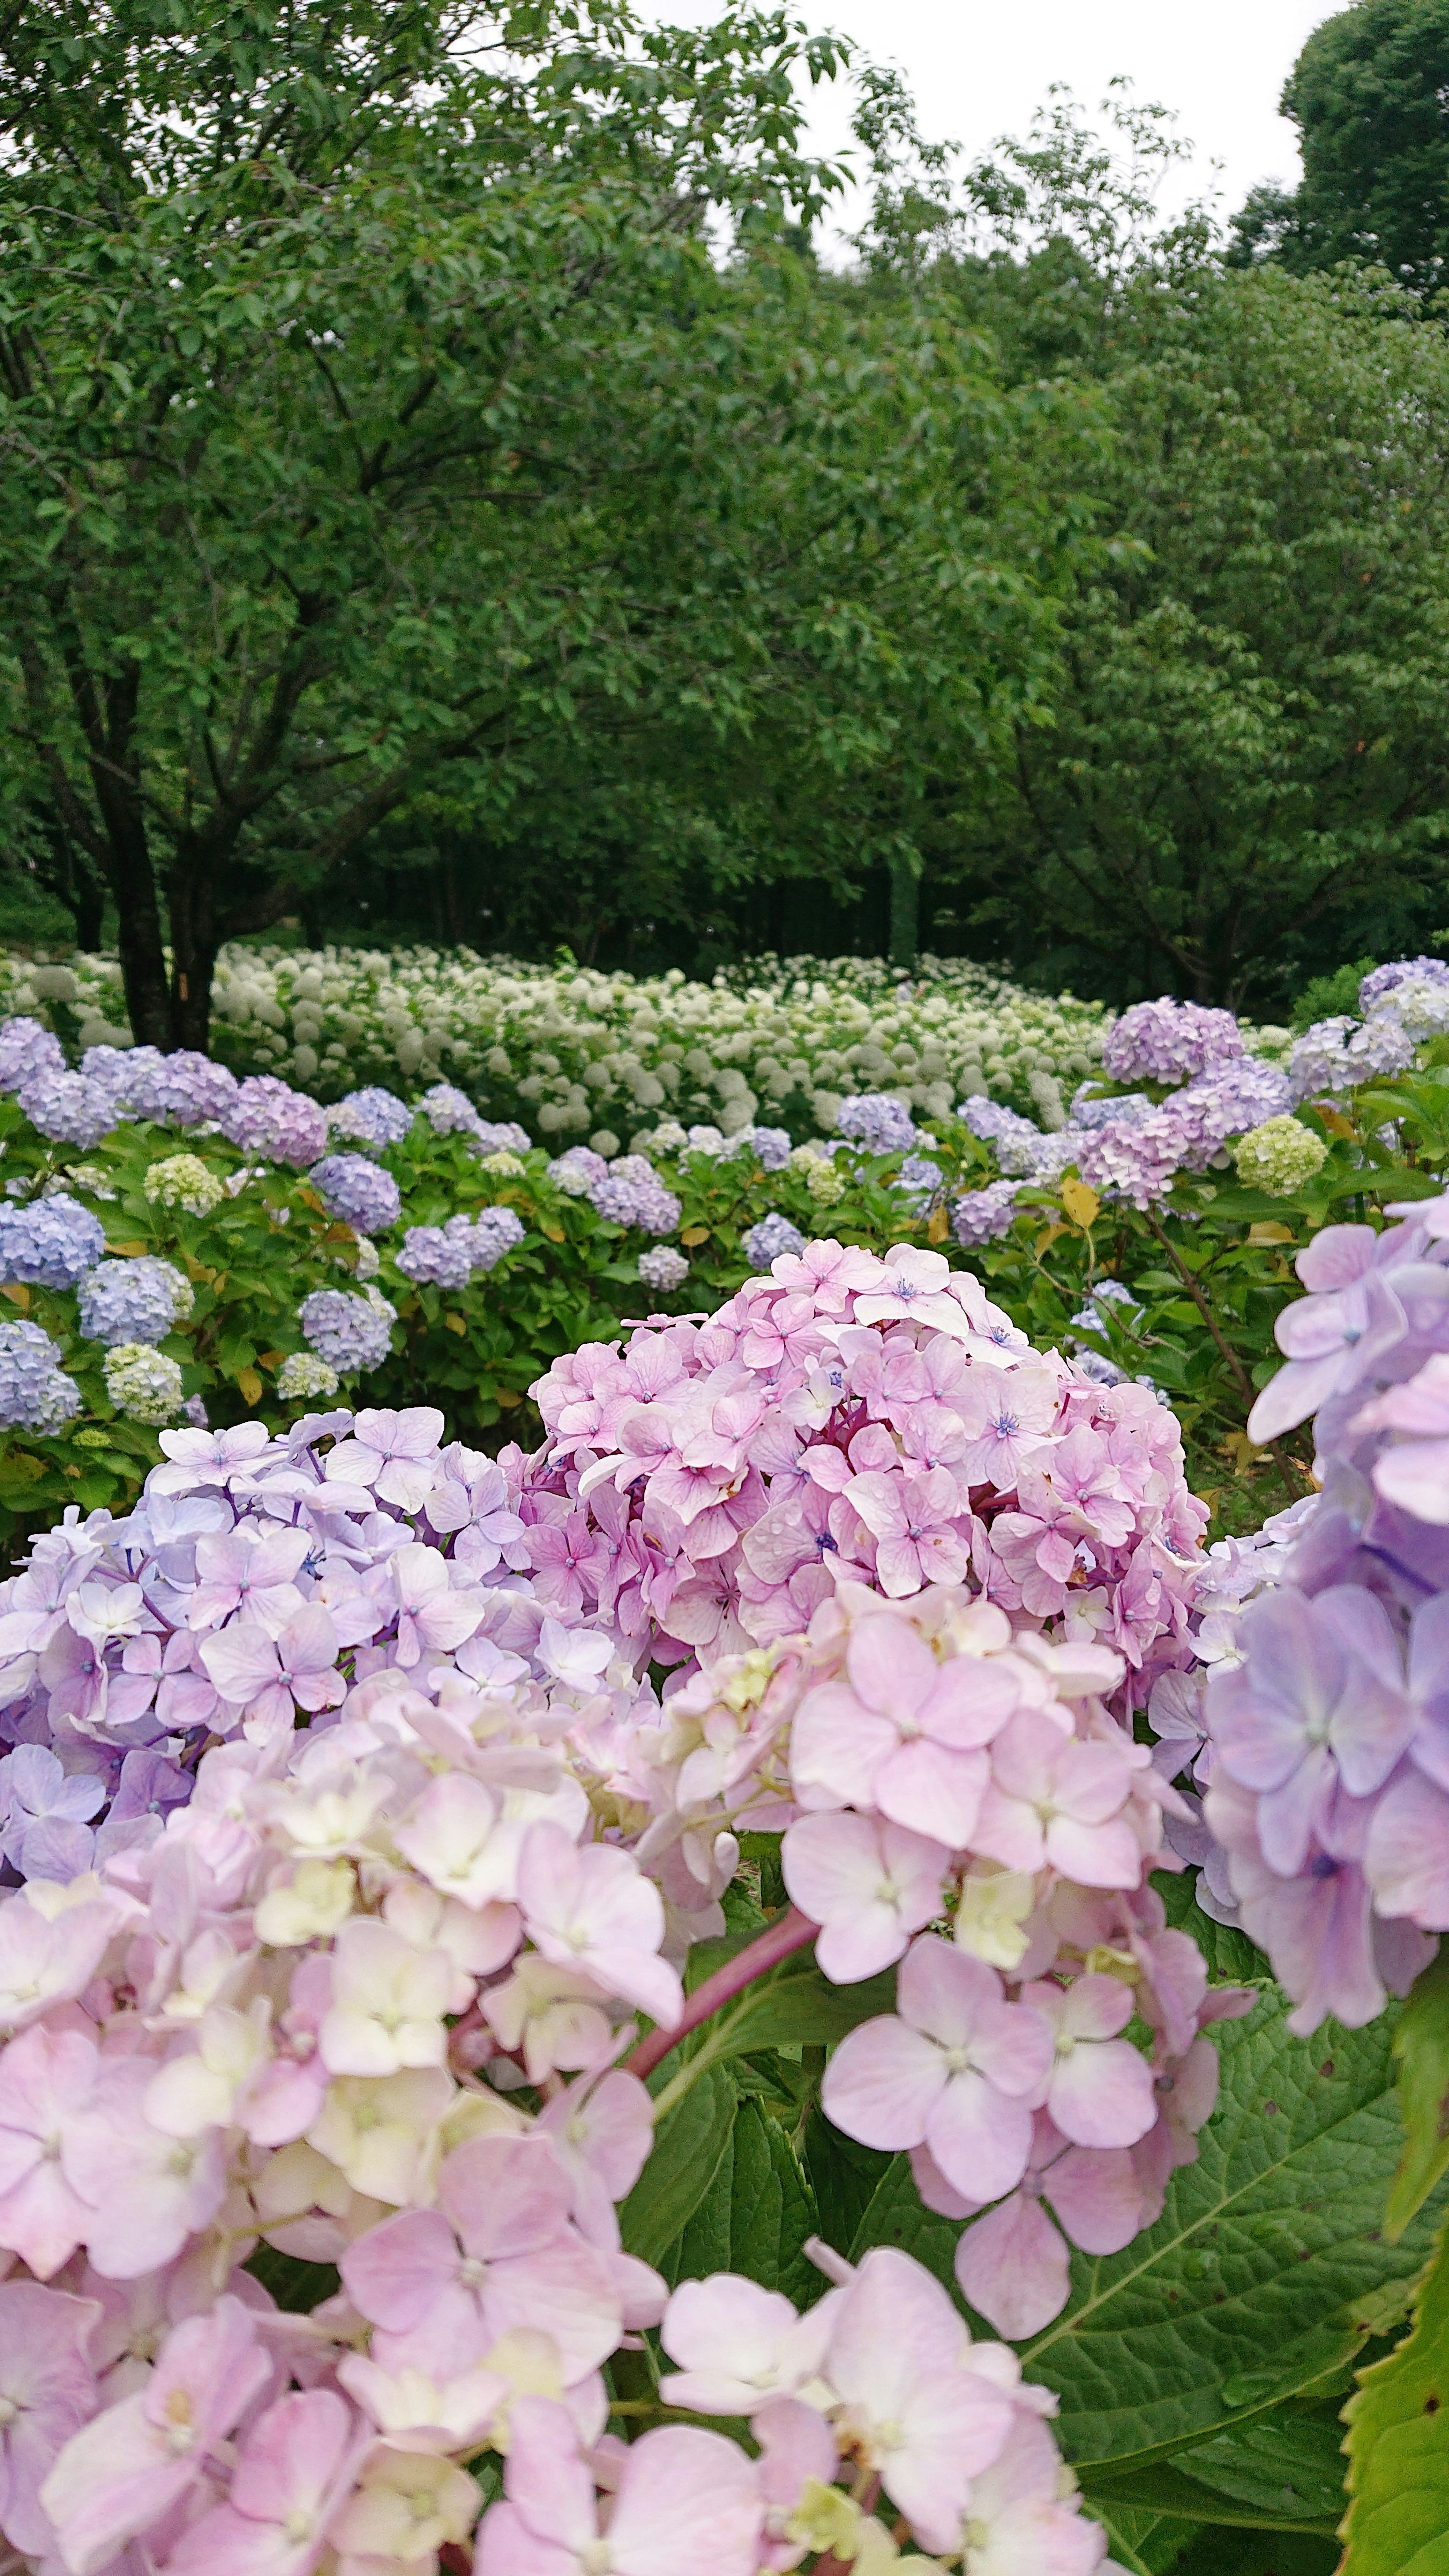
<point>296,2466</point>
<point>899,2362</point>
<point>498,2253</point>
<point>262,1676</point>
<point>388,2002</point>
<point>394,1455</point>
<point>577,1657</point>
<point>677,2486</point>
<point>740,2346</point>
<point>1100,2089</point>
<point>406,2507</point>
<point>914,1290</point>
<point>589,1907</point>
<point>829,1274</point>
<point>47,2392</point>
<point>432,1615</point>
<point>419,2413</point>
<point>1055,1802</point>
<point>134,2464</point>
<point>902,1733</point>
<point>1007,1414</point>
<point>954,2068</point>
<point>1018,2517</point>
<point>47,1959</point>
<point>602,2133</point>
<point>921,1526</point>
<point>868,1884</point>
<point>248,1571</point>
<point>203,1459</point>
<point>47,2078</point>
<point>550,2016</point>
<point>1013,2266</point>
<point>153,2191</point>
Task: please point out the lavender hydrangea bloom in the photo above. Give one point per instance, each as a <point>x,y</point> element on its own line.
<point>49,1242</point>
<point>27,1050</point>
<point>578,1172</point>
<point>496,1231</point>
<point>1224,1102</point>
<point>47,1833</point>
<point>997,1125</point>
<point>352,1334</point>
<point>378,1118</point>
<point>773,1235</point>
<point>127,1301</point>
<point>448,1111</point>
<point>631,1193</point>
<point>503,1136</point>
<point>920,1180</point>
<point>663,1269</point>
<point>353,1188</point>
<point>67,1107</point>
<point>437,1254</point>
<point>980,1216</point>
<point>876,1120</point>
<point>269,1117</point>
<point>1167,1041</point>
<point>1338,1054</point>
<point>192,1090</point>
<point>150,1785</point>
<point>1384,979</point>
<point>1126,1109</point>
<point>770,1146</point>
<point>35,1393</point>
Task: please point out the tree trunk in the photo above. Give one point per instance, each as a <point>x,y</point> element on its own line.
<point>191,887</point>
<point>905,910</point>
<point>132,882</point>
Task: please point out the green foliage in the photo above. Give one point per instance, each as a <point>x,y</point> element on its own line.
<point>1265,2275</point>
<point>1398,2449</point>
<point>1421,2047</point>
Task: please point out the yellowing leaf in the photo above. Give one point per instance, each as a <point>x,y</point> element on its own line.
<point>18,1293</point>
<point>694,1234</point>
<point>250,1384</point>
<point>1334,1120</point>
<point>937,1229</point>
<point>272,1359</point>
<point>129,1250</point>
<point>555,1233</point>
<point>1081,1203</point>
<point>1268,1230</point>
<point>197,1269</point>
<point>455,1323</point>
<point>508,1397</point>
<point>1049,1235</point>
<point>310,1199</point>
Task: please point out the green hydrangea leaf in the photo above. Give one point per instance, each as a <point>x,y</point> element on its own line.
<point>1398,2448</point>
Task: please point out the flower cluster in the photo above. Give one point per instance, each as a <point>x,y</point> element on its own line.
<point>1279,1156</point>
<point>143,1383</point>
<point>452,1254</point>
<point>1168,1041</point>
<point>373,1117</point>
<point>773,1235</point>
<point>1340,1054</point>
<point>663,1269</point>
<point>354,1840</point>
<point>133,1301</point>
<point>878,1121</point>
<point>184,1181</point>
<point>352,1187</point>
<point>268,1117</point>
<point>35,1392</point>
<point>49,1242</point>
<point>982,1216</point>
<point>1314,1725</point>
<point>350,1333</point>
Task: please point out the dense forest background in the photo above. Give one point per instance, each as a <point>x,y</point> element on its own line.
<point>445,496</point>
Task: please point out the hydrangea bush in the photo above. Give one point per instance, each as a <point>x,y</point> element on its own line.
<point>640,2001</point>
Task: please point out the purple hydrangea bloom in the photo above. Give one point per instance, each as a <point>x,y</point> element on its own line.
<point>496,1231</point>
<point>353,1188</point>
<point>50,1242</point>
<point>1128,1109</point>
<point>770,1147</point>
<point>437,1254</point>
<point>1167,1041</point>
<point>979,1216</point>
<point>67,1107</point>
<point>1224,1102</point>
<point>1339,1054</point>
<point>448,1111</point>
<point>352,1334</point>
<point>1383,979</point>
<point>631,1193</point>
<point>773,1235</point>
<point>920,1179</point>
<point>27,1049</point>
<point>663,1269</point>
<point>878,1122</point>
<point>35,1392</point>
<point>193,1090</point>
<point>503,1136</point>
<point>578,1172</point>
<point>150,1785</point>
<point>1018,1140</point>
<point>125,1077</point>
<point>377,1117</point>
<point>47,1832</point>
<point>127,1301</point>
<point>269,1117</point>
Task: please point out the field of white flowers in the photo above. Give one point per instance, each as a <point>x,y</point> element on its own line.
<point>577,1054</point>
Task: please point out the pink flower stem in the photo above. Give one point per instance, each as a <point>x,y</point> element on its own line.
<point>790,1931</point>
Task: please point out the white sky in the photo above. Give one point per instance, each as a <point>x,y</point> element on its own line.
<point>979,68</point>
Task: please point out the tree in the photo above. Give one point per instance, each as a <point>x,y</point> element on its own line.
<point>328,336</point>
<point>1369,95</point>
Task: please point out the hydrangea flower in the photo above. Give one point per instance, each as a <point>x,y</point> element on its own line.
<point>439,1254</point>
<point>1382,981</point>
<point>352,1187</point>
<point>184,1181</point>
<point>35,1392</point>
<point>1168,1041</point>
<point>774,1234</point>
<point>449,1112</point>
<point>49,1242</point>
<point>67,1107</point>
<point>303,1376</point>
<point>1280,1156</point>
<point>877,1121</point>
<point>26,1050</point>
<point>1339,1054</point>
<point>663,1269</point>
<point>631,1193</point>
<point>982,1216</point>
<point>142,1383</point>
<point>133,1301</point>
<point>268,1117</point>
<point>352,1334</point>
<point>378,1118</point>
<point>495,1231</point>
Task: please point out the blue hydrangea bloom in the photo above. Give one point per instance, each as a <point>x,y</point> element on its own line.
<point>353,1188</point>
<point>878,1122</point>
<point>49,1242</point>
<point>127,1301</point>
<point>374,1116</point>
<point>35,1392</point>
<point>350,1333</point>
<point>773,1235</point>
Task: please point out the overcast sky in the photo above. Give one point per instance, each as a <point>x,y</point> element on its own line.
<point>979,68</point>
